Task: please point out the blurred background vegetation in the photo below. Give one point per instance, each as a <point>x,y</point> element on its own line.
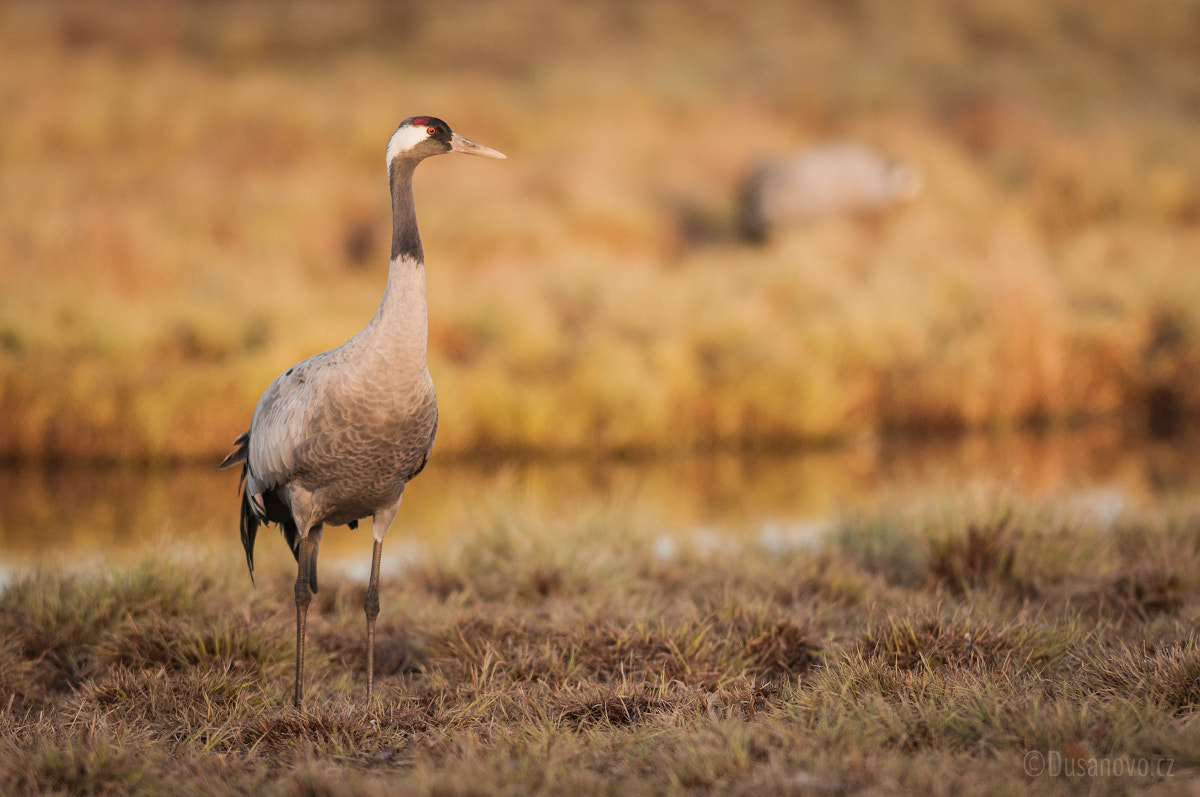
<point>193,197</point>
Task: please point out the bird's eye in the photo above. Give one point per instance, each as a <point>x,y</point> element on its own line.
<point>431,130</point>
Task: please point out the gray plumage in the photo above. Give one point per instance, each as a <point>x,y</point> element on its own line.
<point>336,438</point>
<point>824,180</point>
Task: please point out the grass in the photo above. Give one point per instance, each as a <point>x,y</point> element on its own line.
<point>192,199</point>
<point>929,649</point>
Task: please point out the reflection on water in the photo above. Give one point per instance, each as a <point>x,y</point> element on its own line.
<point>49,516</point>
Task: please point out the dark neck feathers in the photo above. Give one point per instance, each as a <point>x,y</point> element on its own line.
<point>406,241</point>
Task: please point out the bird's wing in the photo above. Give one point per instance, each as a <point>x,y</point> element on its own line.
<point>284,421</point>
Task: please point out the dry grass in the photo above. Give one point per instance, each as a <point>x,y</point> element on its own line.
<point>534,657</point>
<point>192,199</point>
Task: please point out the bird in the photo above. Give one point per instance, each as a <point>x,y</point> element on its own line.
<point>823,180</point>
<point>336,437</point>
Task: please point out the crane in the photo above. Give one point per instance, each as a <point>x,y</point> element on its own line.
<point>336,437</point>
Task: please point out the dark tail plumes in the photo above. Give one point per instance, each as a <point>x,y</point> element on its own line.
<point>273,511</point>
<point>249,526</point>
<point>249,518</point>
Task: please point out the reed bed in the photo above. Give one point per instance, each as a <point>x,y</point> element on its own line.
<point>192,198</point>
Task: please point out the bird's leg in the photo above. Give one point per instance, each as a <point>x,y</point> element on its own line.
<point>303,598</point>
<point>371,607</point>
<point>381,521</point>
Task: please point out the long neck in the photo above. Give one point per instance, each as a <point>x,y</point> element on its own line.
<point>406,241</point>
<point>402,323</point>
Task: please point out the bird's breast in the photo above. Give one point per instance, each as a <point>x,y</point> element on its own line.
<point>372,440</point>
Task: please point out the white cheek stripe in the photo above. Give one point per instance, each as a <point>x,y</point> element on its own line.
<point>405,138</point>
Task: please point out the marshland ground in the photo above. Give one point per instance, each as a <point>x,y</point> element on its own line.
<point>192,198</point>
<point>976,646</point>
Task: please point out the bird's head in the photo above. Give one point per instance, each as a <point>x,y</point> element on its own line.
<point>421,136</point>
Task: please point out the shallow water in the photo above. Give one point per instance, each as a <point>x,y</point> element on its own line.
<point>73,516</point>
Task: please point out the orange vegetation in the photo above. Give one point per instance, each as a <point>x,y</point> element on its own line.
<point>192,198</point>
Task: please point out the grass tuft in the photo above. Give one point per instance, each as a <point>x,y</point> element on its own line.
<point>1168,675</point>
<point>932,642</point>
<point>983,557</point>
<point>83,762</point>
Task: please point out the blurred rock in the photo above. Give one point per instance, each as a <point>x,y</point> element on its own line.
<point>832,179</point>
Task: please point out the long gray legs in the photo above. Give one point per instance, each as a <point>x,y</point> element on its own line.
<point>371,607</point>
<point>303,598</point>
<point>380,523</point>
<point>306,581</point>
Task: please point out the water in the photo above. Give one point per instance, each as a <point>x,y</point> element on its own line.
<point>75,516</point>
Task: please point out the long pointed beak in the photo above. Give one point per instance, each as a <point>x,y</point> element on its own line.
<point>460,144</point>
